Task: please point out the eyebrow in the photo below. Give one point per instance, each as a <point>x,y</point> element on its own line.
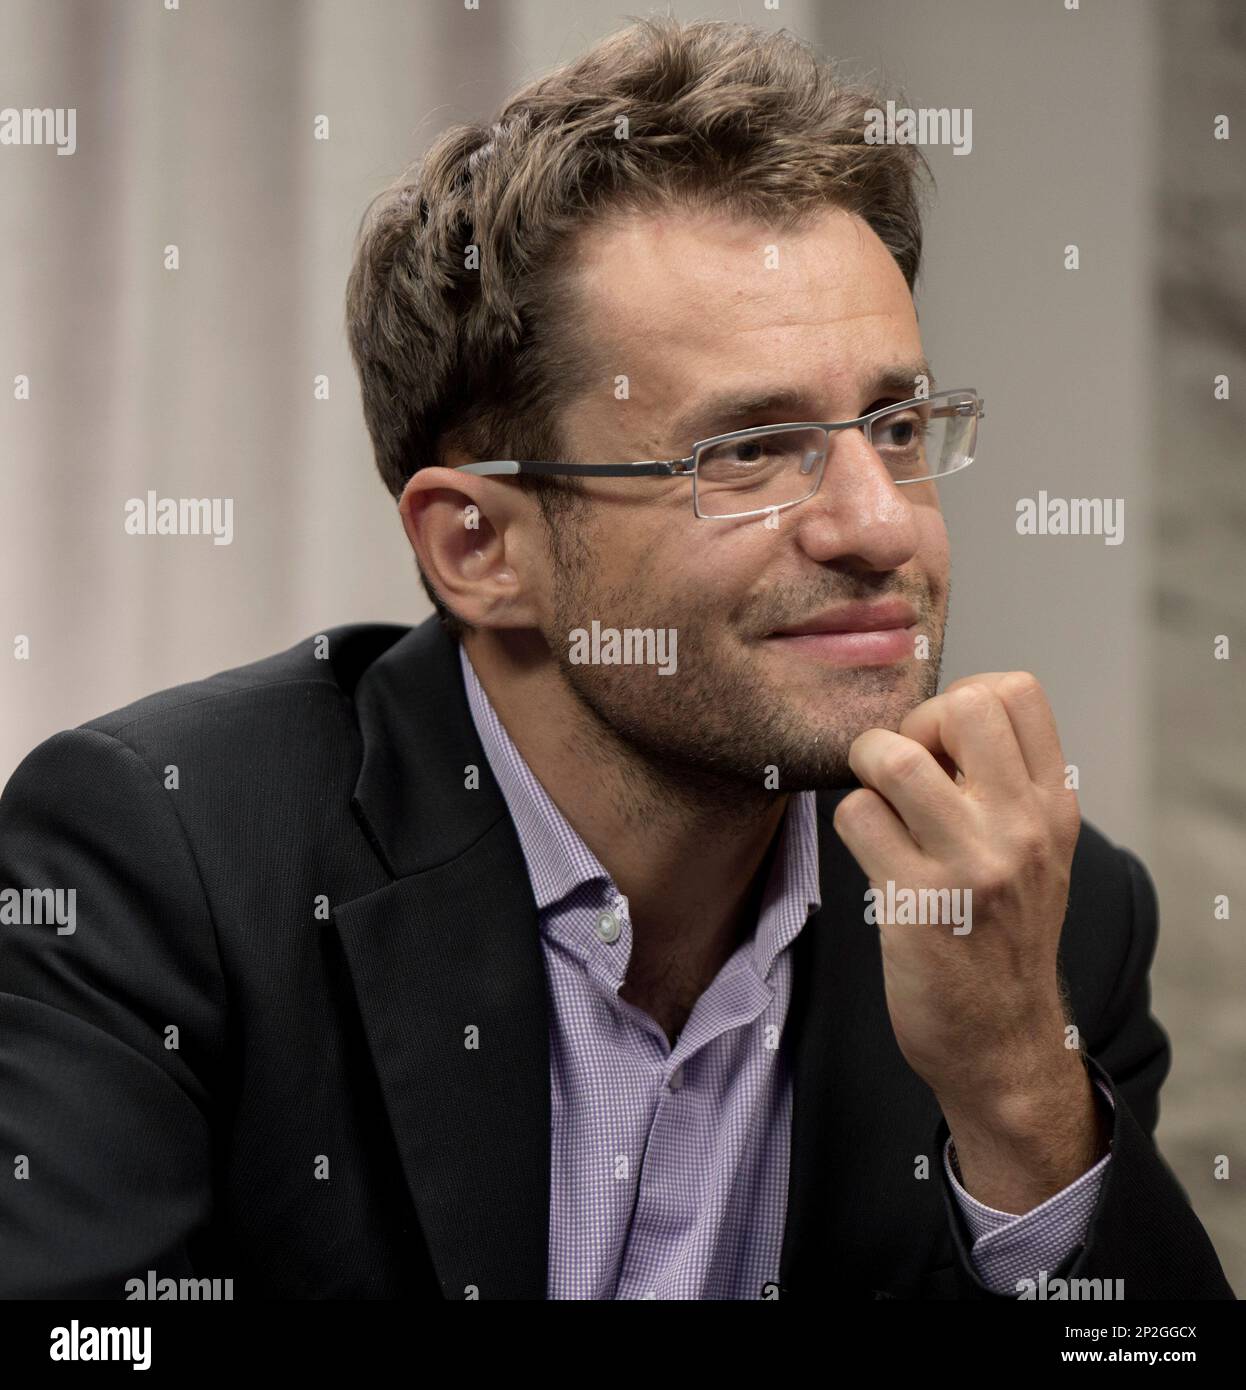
<point>728,408</point>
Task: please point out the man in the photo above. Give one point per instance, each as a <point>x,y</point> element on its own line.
<point>644,925</point>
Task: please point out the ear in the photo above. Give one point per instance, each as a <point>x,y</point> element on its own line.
<point>471,538</point>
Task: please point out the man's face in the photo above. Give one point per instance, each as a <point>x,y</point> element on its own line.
<point>687,308</point>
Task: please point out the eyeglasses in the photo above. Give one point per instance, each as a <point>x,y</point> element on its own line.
<point>779,466</point>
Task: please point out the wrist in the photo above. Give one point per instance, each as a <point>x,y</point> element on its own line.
<point>1011,1087</point>
<point>1018,1146</point>
<point>1022,1103</point>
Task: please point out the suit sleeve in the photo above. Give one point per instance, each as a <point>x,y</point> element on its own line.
<point>111,1026</point>
<point>1142,1230</point>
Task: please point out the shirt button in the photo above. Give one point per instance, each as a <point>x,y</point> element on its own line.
<point>677,1079</point>
<point>608,927</point>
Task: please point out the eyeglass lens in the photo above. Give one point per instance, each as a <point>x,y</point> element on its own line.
<point>769,468</point>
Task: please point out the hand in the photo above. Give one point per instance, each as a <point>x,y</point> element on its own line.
<point>970,795</point>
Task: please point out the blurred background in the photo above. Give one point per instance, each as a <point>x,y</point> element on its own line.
<point>1093,127</point>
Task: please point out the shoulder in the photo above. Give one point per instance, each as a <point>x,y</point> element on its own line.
<point>286,721</point>
<point>319,671</point>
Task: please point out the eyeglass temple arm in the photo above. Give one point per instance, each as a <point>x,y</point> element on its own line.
<point>505,467</point>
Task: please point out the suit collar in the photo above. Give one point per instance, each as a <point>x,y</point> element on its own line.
<point>413,796</point>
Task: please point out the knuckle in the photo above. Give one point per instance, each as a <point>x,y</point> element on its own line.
<point>1033,852</point>
<point>1022,685</point>
<point>968,699</point>
<point>993,879</point>
<point>851,808</point>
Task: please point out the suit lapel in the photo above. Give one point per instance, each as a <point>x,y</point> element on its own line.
<point>828,974</point>
<point>447,970</point>
<point>860,1115</point>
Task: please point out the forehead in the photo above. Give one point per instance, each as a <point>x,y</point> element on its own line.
<point>681,293</point>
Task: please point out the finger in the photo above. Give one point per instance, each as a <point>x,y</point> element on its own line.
<point>876,837</point>
<point>1031,717</point>
<point>1033,722</point>
<point>930,805</point>
<point>971,725</point>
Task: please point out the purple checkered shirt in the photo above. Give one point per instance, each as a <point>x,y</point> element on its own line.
<point>669,1166</point>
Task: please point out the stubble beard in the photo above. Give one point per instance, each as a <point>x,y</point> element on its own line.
<point>718,733</point>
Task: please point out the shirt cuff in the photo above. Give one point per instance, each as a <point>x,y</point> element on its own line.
<point>1008,1247</point>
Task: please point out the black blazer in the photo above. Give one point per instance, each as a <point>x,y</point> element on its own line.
<point>247,1060</point>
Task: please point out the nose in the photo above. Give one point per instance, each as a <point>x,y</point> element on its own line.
<point>858,514</point>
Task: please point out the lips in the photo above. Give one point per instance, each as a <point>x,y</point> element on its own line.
<point>877,616</point>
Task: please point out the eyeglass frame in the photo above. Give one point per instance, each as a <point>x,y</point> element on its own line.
<point>687,467</point>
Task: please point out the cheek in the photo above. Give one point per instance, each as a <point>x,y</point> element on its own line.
<point>711,573</point>
<point>666,567</point>
<point>933,547</point>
